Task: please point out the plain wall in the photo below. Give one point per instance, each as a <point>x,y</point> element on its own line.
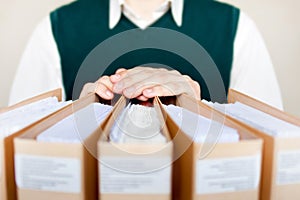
<point>277,20</point>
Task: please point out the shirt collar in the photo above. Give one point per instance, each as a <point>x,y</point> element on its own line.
<point>115,11</point>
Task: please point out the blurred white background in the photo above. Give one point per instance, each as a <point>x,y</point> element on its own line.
<point>277,20</point>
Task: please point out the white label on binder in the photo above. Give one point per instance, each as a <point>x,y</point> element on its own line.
<point>228,175</point>
<point>1,159</point>
<point>288,167</point>
<point>114,177</point>
<point>48,173</point>
<point>1,164</point>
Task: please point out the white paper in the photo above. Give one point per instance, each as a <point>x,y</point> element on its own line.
<point>78,126</point>
<point>288,167</point>
<point>199,127</point>
<point>260,120</point>
<point>146,176</point>
<point>14,120</point>
<point>228,174</point>
<point>44,173</point>
<point>137,124</point>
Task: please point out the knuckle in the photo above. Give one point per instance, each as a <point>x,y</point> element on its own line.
<point>187,77</point>
<point>162,69</point>
<point>103,78</point>
<point>121,70</point>
<point>175,72</point>
<point>123,73</point>
<point>196,84</point>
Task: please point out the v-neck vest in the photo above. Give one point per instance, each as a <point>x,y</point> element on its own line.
<point>82,25</point>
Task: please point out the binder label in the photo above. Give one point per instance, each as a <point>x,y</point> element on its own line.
<point>48,173</point>
<point>125,175</point>
<point>288,167</point>
<point>228,174</point>
<point>1,159</point>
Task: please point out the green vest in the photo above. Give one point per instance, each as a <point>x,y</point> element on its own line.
<point>80,26</point>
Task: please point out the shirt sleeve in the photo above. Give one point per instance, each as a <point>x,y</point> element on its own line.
<point>252,70</point>
<point>39,70</point>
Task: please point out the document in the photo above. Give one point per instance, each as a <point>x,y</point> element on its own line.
<point>14,120</point>
<point>137,124</point>
<point>262,121</point>
<point>200,128</point>
<point>78,126</point>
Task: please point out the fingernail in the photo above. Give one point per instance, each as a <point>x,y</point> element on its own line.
<point>149,91</point>
<point>108,93</point>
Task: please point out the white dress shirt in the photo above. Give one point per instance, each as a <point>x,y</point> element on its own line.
<point>252,70</point>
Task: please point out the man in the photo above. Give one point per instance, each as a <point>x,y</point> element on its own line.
<point>62,41</point>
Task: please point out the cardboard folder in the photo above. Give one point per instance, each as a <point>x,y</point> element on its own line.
<point>197,182</point>
<point>79,161</point>
<point>281,156</point>
<point>56,170</point>
<point>7,175</point>
<point>140,180</point>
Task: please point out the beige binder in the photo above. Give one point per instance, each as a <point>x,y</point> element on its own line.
<point>115,154</point>
<point>7,176</point>
<point>185,154</point>
<point>274,150</point>
<point>78,161</point>
<point>249,148</point>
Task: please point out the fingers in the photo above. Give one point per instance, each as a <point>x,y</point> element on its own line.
<point>143,83</point>
<point>184,85</point>
<point>142,98</point>
<point>103,91</point>
<point>102,87</point>
<point>168,89</point>
<point>136,90</point>
<point>140,78</point>
<point>120,73</point>
<point>133,86</point>
<point>196,89</point>
<point>87,89</point>
<point>194,85</point>
<point>133,83</point>
<point>125,78</point>
<point>120,70</point>
<point>105,80</point>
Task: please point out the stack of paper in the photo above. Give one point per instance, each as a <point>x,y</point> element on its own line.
<point>137,124</point>
<point>259,120</point>
<point>14,120</point>
<point>78,126</point>
<point>199,128</point>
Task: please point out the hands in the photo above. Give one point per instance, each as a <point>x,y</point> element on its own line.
<point>143,83</point>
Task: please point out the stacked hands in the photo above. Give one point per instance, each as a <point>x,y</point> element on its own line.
<point>143,83</point>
